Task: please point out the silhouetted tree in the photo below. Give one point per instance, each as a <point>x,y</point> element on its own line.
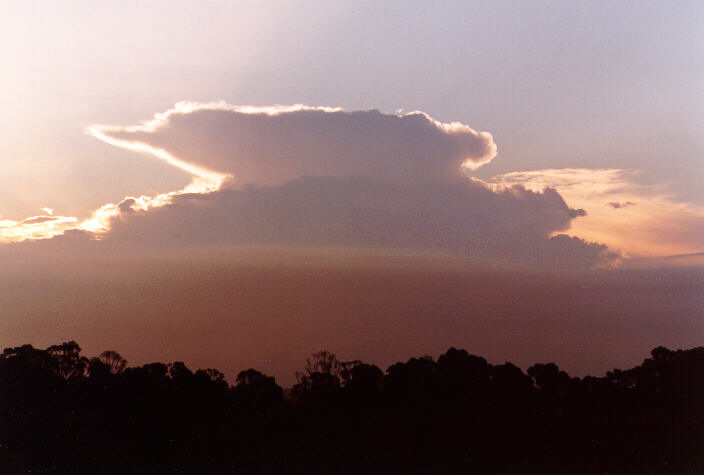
<point>115,363</point>
<point>358,376</point>
<point>63,413</point>
<point>257,390</point>
<point>321,375</point>
<point>69,360</point>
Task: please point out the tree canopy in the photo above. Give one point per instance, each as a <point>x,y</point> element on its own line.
<point>61,412</point>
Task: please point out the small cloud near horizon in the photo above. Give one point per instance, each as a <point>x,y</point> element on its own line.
<point>658,226</point>
<point>617,205</point>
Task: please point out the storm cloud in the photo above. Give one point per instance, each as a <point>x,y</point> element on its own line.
<point>323,178</point>
<point>272,145</point>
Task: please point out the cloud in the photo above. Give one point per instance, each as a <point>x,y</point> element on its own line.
<point>218,142</point>
<point>467,218</point>
<point>272,145</point>
<point>323,177</point>
<point>35,227</point>
<point>658,226</point>
<point>320,177</point>
<point>575,213</point>
<point>617,205</point>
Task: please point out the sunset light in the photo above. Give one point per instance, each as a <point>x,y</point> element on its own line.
<point>274,236</point>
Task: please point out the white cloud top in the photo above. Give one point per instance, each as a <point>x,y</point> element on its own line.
<point>274,144</point>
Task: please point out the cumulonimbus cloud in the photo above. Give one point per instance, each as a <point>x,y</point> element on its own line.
<point>322,177</point>
<point>318,176</point>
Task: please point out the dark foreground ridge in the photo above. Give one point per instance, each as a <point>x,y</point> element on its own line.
<point>63,413</point>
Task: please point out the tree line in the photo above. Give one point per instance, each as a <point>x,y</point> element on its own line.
<point>61,412</point>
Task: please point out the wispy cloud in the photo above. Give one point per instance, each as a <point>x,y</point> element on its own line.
<point>639,220</point>
<point>617,205</point>
<point>35,227</point>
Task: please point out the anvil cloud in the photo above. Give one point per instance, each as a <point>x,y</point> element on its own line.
<point>322,177</point>
<point>271,145</point>
<point>325,178</point>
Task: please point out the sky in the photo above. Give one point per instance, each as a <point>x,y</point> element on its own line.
<point>307,143</point>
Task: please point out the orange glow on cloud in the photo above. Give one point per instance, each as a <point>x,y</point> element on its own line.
<point>458,127</point>
<point>638,220</point>
<point>45,227</point>
<point>35,227</point>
